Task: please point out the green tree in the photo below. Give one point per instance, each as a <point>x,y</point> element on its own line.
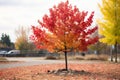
<point>109,24</point>
<point>98,47</point>
<point>5,40</point>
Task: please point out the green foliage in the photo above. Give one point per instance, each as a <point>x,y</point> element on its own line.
<point>5,40</point>
<point>98,47</point>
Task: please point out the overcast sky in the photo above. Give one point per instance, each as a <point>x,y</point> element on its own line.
<point>15,13</point>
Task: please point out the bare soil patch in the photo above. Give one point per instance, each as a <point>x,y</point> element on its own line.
<point>101,71</point>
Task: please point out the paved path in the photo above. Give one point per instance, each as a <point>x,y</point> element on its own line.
<point>27,62</point>
<point>36,61</point>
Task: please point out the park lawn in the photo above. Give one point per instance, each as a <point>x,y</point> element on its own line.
<point>93,71</point>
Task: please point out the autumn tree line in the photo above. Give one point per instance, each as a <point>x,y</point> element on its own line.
<point>67,29</point>
<point>22,40</point>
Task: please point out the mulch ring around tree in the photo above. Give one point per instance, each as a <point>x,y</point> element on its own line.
<point>69,72</point>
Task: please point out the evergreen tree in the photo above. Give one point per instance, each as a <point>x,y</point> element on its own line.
<point>5,40</point>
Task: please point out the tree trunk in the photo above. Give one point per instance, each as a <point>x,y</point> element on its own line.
<point>111,55</point>
<point>116,23</point>
<point>66,64</point>
<point>116,52</point>
<point>98,52</point>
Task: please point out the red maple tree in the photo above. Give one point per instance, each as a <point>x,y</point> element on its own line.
<point>65,28</point>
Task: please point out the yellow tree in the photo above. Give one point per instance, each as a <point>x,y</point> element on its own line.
<point>22,39</point>
<point>109,24</point>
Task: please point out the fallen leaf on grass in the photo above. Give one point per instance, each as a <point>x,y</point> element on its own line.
<point>101,71</point>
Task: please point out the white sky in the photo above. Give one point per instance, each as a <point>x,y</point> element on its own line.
<point>16,13</point>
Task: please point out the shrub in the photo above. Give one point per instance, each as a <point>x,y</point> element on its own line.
<point>96,57</point>
<point>51,57</point>
<point>3,59</point>
<point>103,57</point>
<point>79,58</point>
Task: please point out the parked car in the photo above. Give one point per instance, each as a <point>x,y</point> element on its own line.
<point>3,53</point>
<point>13,53</point>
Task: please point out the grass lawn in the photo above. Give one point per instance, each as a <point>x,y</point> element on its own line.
<point>93,71</point>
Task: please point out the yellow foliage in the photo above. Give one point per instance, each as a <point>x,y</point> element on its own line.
<point>109,24</point>
<point>22,38</point>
